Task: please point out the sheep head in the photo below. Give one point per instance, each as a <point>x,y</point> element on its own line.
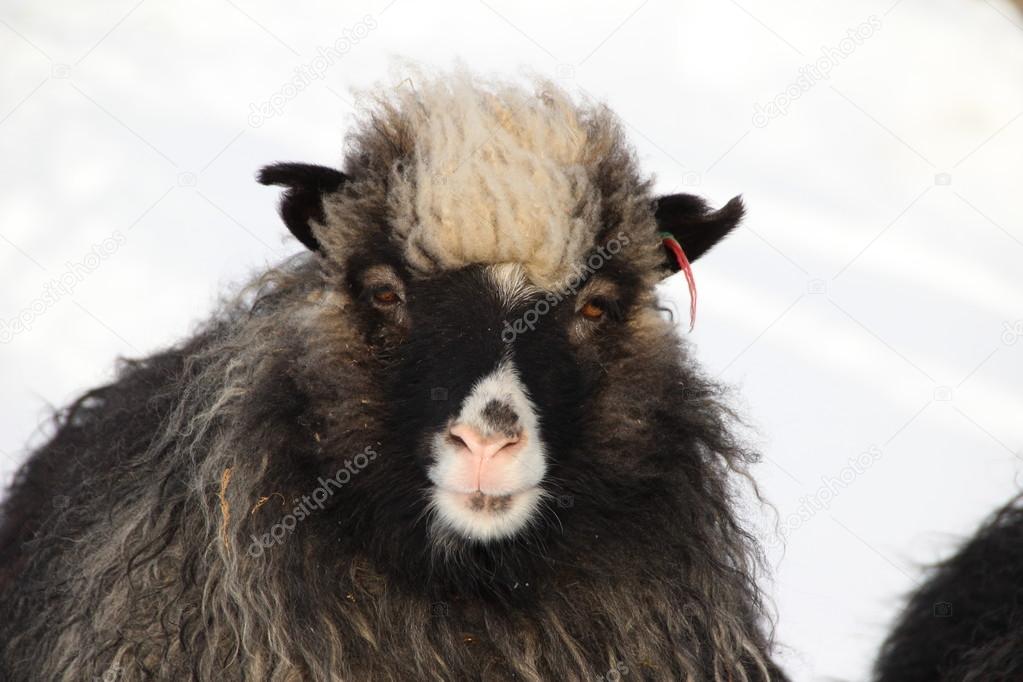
<point>497,250</point>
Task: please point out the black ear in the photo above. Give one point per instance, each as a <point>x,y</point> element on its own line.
<point>303,200</point>
<point>693,224</point>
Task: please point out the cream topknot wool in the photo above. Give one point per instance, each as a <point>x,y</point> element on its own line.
<point>496,173</point>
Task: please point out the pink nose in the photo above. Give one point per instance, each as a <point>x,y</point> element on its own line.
<point>485,447</point>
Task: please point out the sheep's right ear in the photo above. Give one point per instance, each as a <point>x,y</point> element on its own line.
<point>693,224</point>
<point>303,200</point>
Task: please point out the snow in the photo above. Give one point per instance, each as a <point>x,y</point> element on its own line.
<point>869,314</point>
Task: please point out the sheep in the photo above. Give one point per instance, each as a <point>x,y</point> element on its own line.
<point>965,623</point>
<point>456,439</point>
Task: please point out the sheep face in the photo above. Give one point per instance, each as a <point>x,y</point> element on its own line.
<point>495,255</point>
<point>516,404</point>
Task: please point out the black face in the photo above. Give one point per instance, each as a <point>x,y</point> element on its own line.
<point>438,338</point>
<point>489,386</point>
<point>461,331</point>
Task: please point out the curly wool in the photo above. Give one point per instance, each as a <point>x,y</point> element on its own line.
<point>465,170</point>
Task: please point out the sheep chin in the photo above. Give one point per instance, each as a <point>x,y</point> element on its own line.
<point>485,518</point>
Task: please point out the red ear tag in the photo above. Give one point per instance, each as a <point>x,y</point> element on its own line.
<point>672,245</point>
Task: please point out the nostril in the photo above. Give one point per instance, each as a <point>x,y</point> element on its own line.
<point>508,445</point>
<point>464,436</point>
<point>458,440</point>
<point>485,447</point>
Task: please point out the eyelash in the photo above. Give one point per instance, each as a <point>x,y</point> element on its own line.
<point>611,309</point>
<point>374,294</point>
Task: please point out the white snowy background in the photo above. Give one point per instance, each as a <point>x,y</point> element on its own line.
<point>869,312</point>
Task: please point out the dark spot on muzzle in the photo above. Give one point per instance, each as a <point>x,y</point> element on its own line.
<point>501,417</point>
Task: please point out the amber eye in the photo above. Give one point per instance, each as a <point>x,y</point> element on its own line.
<point>386,297</point>
<point>592,310</point>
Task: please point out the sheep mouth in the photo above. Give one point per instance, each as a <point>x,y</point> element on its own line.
<point>485,516</point>
<point>487,503</point>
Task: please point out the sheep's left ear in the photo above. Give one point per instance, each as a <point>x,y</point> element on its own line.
<point>303,200</point>
<point>693,224</point>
